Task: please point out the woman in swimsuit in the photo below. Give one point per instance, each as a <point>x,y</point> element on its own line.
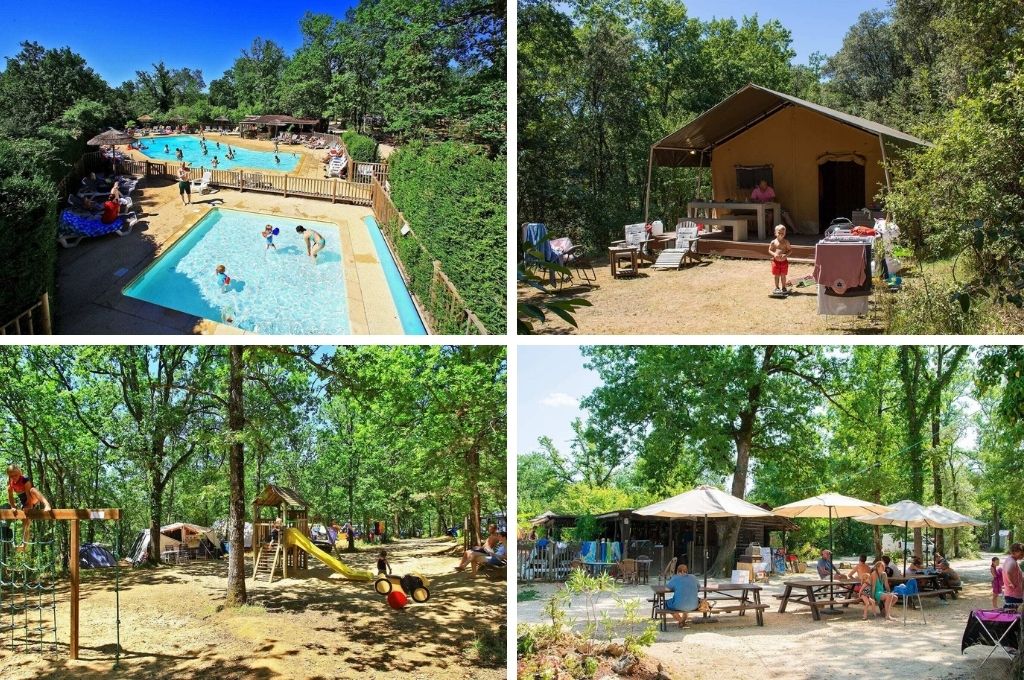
<point>880,591</point>
<point>315,241</point>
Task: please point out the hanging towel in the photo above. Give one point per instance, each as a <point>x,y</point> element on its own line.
<point>839,266</point>
<point>536,232</point>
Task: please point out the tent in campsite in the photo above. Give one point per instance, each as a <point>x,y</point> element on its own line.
<point>93,556</point>
<point>822,163</point>
<point>199,541</point>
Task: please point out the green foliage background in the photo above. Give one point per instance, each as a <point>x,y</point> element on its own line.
<point>450,193</point>
<point>360,147</point>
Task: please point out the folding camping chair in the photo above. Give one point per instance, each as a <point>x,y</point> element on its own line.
<point>989,617</point>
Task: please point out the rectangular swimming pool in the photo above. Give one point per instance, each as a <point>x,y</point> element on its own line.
<point>277,292</point>
<point>244,158</point>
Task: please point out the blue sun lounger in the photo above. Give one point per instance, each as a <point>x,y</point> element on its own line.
<point>74,226</point>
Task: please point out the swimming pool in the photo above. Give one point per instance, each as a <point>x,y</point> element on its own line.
<point>407,312</point>
<point>244,158</point>
<point>271,292</point>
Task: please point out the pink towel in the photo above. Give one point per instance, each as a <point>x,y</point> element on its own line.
<point>839,266</point>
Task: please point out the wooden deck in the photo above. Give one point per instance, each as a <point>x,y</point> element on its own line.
<point>750,250</point>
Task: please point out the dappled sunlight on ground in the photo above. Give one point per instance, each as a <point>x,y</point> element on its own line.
<point>314,625</point>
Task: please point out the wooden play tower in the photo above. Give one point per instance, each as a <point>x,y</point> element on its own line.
<point>292,509</point>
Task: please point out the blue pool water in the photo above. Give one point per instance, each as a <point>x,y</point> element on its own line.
<point>244,158</point>
<point>407,314</point>
<point>271,292</point>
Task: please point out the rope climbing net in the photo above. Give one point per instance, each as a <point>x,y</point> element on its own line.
<point>28,587</point>
<point>30,554</point>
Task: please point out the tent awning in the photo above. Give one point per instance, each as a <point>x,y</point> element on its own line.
<point>692,144</point>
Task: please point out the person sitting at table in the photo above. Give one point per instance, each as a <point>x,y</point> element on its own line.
<point>860,569</point>
<point>915,566</point>
<point>825,566</point>
<point>948,578</point>
<point>684,587</point>
<point>763,193</point>
<point>890,570</point>
<point>880,590</point>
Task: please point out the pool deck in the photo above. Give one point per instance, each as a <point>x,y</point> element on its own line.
<point>91,276</point>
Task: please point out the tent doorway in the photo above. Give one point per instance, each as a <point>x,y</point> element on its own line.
<point>840,190</point>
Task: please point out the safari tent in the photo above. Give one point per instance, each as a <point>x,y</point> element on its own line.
<point>178,536</point>
<point>821,162</point>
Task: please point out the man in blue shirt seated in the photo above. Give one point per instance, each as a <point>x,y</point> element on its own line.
<point>684,586</point>
<point>825,566</point>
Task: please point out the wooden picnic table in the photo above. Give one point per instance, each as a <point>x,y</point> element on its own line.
<point>928,585</point>
<point>817,593</point>
<point>693,206</point>
<point>723,597</point>
<point>596,568</point>
<point>628,254</point>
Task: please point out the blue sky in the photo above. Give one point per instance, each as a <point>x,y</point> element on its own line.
<point>552,380</point>
<point>816,25</point>
<point>117,39</point>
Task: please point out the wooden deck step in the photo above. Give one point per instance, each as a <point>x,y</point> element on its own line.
<point>750,250</point>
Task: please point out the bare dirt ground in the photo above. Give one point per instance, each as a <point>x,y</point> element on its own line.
<point>315,626</point>
<point>726,296</point>
<point>792,646</point>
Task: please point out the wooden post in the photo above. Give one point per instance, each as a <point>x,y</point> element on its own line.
<point>286,186</point>
<point>334,191</point>
<point>73,644</point>
<point>241,185</point>
<point>44,303</point>
<point>351,168</point>
<point>647,195</point>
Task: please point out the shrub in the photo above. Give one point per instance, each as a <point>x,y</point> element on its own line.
<point>360,147</point>
<point>28,220</point>
<point>453,196</point>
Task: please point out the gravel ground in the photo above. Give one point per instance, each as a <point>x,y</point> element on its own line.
<point>792,646</point>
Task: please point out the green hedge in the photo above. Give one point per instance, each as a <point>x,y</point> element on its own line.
<point>28,224</point>
<point>453,196</point>
<point>360,147</point>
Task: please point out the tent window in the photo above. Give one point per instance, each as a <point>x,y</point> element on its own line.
<point>749,176</point>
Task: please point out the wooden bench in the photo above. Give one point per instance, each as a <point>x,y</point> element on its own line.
<point>829,603</point>
<point>758,609</point>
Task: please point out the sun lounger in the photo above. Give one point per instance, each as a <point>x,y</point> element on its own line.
<point>685,248</point>
<point>75,226</point>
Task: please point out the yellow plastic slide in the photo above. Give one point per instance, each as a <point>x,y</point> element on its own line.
<point>296,538</point>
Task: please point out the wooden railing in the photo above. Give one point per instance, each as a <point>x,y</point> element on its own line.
<point>33,321</point>
<point>438,296</point>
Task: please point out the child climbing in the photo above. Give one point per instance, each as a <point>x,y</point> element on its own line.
<point>30,497</point>
<point>275,530</point>
<point>383,566</point>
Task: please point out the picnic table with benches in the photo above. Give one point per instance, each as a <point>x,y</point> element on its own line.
<point>927,585</point>
<point>818,594</point>
<point>723,598</point>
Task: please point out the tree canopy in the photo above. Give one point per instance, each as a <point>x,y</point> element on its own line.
<point>774,424</point>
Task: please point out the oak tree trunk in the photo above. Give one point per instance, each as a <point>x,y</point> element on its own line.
<point>236,595</point>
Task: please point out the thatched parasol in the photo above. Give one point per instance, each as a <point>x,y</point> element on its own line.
<point>145,118</point>
<point>111,138</point>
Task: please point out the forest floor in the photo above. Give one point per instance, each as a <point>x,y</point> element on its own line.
<point>315,626</point>
<point>729,296</point>
<point>793,646</point>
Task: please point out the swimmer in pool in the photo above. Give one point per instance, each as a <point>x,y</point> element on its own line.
<point>218,145</point>
<point>214,162</point>
<point>315,241</point>
<point>277,159</point>
<point>179,154</point>
<point>268,233</point>
<point>167,149</point>
<point>222,277</point>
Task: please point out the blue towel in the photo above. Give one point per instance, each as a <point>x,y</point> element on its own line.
<point>588,551</point>
<point>537,232</point>
<point>89,226</point>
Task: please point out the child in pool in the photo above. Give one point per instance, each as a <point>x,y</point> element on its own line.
<point>277,159</point>
<point>268,234</point>
<point>222,277</point>
<point>383,566</point>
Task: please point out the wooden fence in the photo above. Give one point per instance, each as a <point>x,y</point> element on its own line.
<point>441,300</point>
<point>33,321</point>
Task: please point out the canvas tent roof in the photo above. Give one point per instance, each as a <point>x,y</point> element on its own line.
<point>274,495</point>
<point>692,144</point>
